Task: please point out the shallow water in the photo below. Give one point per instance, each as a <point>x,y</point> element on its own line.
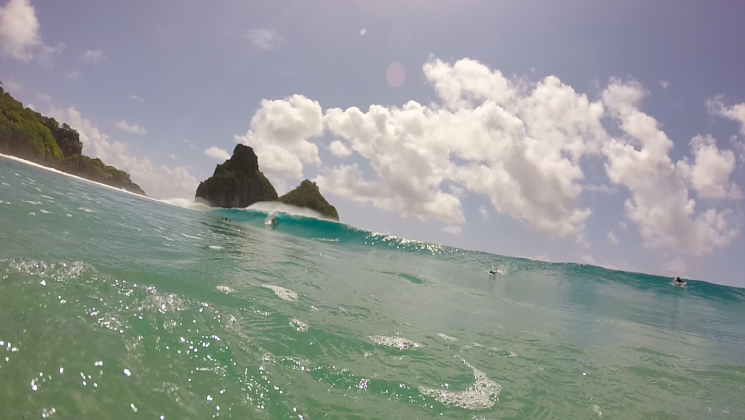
<point>115,306</point>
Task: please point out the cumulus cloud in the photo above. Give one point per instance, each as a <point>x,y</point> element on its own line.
<point>338,149</point>
<point>736,113</point>
<point>520,144</point>
<point>660,203</point>
<point>279,134</point>
<point>72,74</point>
<point>664,84</point>
<point>94,56</point>
<point>521,149</point>
<point>612,237</point>
<point>19,34</point>
<point>43,97</point>
<point>710,172</point>
<point>217,153</point>
<point>265,39</point>
<point>129,128</point>
<point>158,181</point>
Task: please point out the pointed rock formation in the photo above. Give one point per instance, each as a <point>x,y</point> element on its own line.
<point>237,183</point>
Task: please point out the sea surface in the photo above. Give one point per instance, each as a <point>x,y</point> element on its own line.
<point>114,306</point>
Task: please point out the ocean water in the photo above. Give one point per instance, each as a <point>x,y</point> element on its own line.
<point>114,306</point>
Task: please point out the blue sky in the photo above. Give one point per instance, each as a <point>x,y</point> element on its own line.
<point>598,163</point>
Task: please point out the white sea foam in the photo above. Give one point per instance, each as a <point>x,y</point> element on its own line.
<point>396,342</point>
<point>477,397</point>
<point>186,203</point>
<point>85,209</point>
<point>189,236</point>
<point>216,247</point>
<point>34,203</point>
<point>282,293</point>
<point>225,289</point>
<point>277,207</point>
<point>299,325</point>
<point>447,337</point>
<point>44,211</point>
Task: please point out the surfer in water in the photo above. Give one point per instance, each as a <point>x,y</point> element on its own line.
<point>679,282</point>
<point>495,272</point>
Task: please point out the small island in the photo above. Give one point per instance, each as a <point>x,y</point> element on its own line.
<point>238,183</point>
<point>28,135</point>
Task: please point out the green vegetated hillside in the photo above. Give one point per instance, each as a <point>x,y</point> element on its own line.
<point>238,183</point>
<point>308,195</point>
<point>29,135</point>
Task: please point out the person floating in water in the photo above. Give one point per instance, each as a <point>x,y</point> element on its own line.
<point>495,272</point>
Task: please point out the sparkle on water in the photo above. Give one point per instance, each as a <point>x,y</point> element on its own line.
<point>101,317</point>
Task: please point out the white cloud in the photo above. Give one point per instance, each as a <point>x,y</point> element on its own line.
<point>31,107</point>
<point>217,153</point>
<point>659,202</point>
<point>612,237</point>
<point>710,172</point>
<point>363,31</point>
<point>519,144</point>
<point>193,147</point>
<point>736,113</point>
<point>43,97</point>
<point>338,149</point>
<point>158,181</point>
<point>484,212</point>
<point>19,34</point>
<point>265,39</point>
<point>129,128</point>
<point>13,86</point>
<point>522,150</point>
<point>172,156</point>
<point>94,56</point>
<point>452,229</point>
<point>664,83</point>
<point>739,145</point>
<point>72,74</point>
<point>135,97</point>
<point>279,135</point>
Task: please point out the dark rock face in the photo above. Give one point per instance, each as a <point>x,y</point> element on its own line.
<point>308,195</point>
<point>237,183</point>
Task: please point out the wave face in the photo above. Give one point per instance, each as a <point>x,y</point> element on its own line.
<point>113,305</point>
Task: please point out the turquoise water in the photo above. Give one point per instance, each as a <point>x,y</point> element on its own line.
<point>116,306</point>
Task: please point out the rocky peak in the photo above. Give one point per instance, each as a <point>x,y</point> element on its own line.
<point>238,182</point>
